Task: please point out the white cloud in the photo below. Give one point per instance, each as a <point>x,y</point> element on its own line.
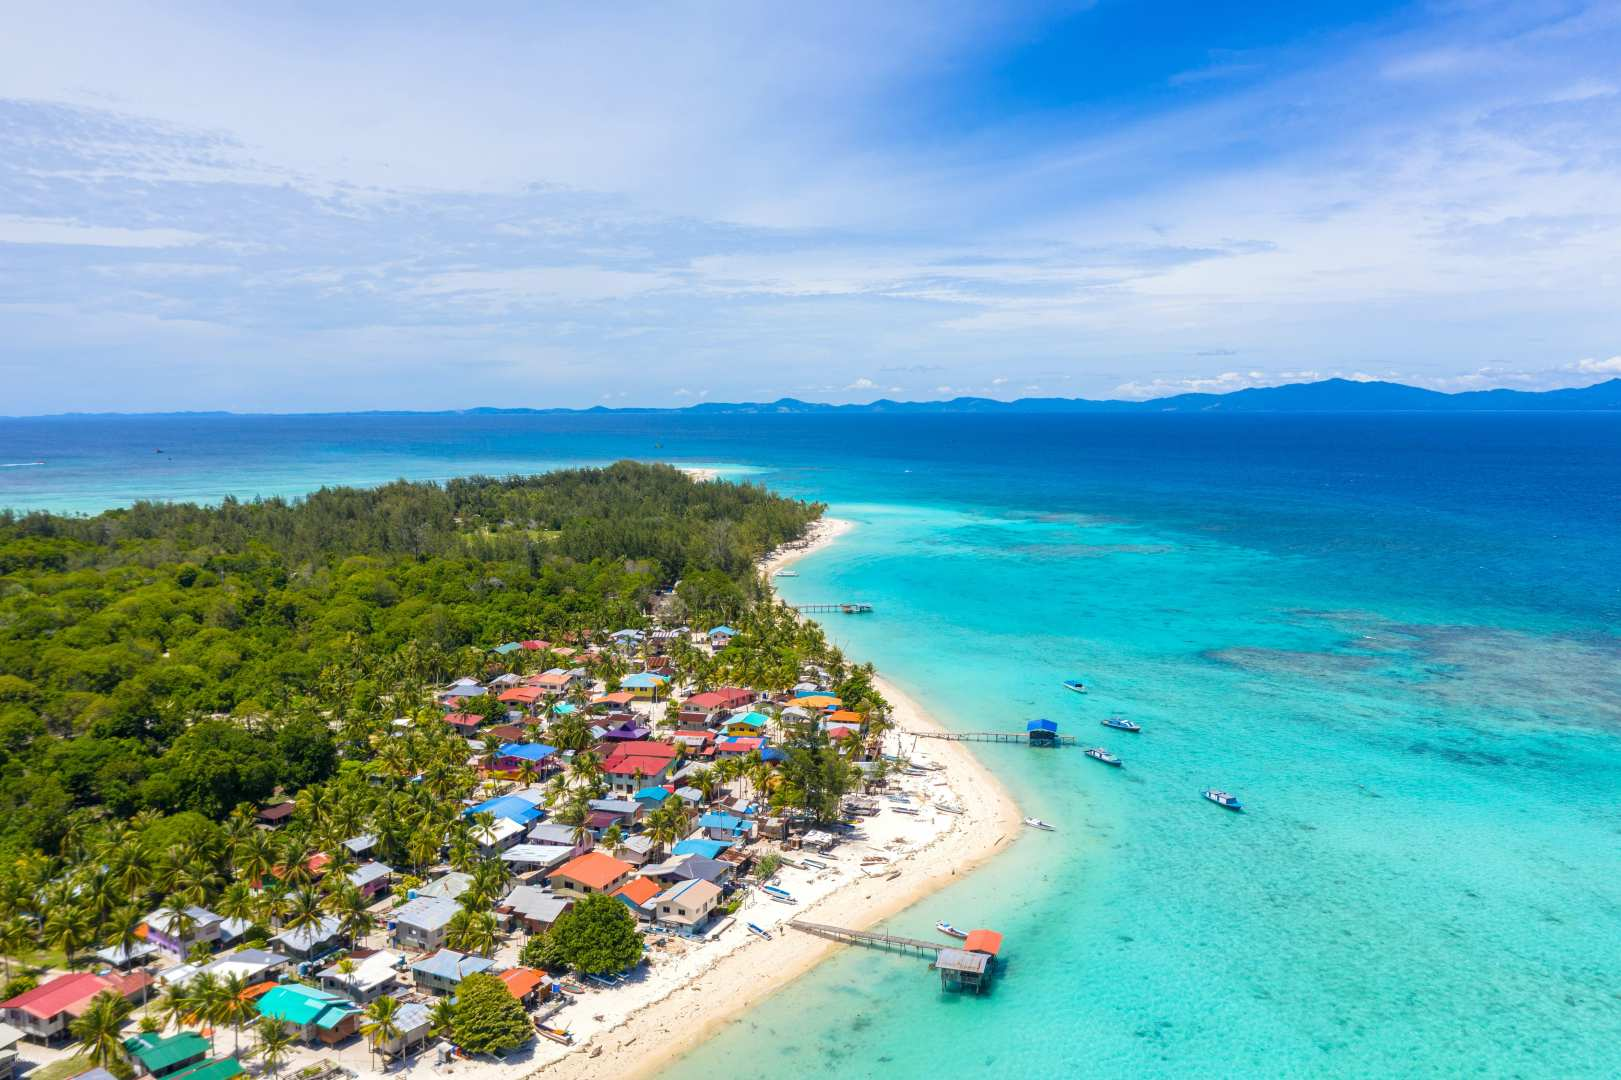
<point>862,383</point>
<point>1589,366</point>
<point>23,230</point>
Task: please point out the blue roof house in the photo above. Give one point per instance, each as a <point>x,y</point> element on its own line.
<point>511,807</point>
<point>442,972</point>
<point>709,849</point>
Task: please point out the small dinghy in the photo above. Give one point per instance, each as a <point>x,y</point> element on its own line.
<point>1097,753</point>
<point>948,808</point>
<point>759,931</point>
<point>950,931</point>
<point>904,809</point>
<point>1076,685</point>
<point>1223,798</point>
<point>1120,723</point>
<point>815,864</point>
<point>1037,823</point>
<point>556,1035</point>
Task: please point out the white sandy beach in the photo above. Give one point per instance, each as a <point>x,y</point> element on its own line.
<point>633,1031</point>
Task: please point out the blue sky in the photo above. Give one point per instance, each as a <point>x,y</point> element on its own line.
<point>388,206</point>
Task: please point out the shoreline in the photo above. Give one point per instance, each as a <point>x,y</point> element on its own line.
<point>648,1039</point>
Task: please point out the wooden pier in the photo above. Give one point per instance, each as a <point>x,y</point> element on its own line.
<point>844,609</point>
<point>1021,737</point>
<point>869,938</point>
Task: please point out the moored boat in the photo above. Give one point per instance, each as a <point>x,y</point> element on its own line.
<point>1223,798</point>
<point>1037,823</point>
<point>1097,753</point>
<point>787,573</point>
<point>1120,723</point>
<point>950,931</point>
<point>1076,685</point>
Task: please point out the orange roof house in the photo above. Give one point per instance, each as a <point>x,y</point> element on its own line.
<point>521,981</point>
<point>988,942</point>
<point>590,873</point>
<point>521,695</point>
<point>845,717</point>
<point>639,889</point>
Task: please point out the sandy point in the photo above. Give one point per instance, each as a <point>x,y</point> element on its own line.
<point>930,851</point>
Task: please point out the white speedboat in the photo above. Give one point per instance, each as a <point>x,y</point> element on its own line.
<point>948,807</point>
<point>1097,753</point>
<point>1037,823</point>
<point>950,931</point>
<point>787,573</point>
<point>1076,685</point>
<point>1223,798</point>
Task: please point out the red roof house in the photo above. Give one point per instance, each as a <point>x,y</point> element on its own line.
<point>45,1011</point>
<point>639,764</point>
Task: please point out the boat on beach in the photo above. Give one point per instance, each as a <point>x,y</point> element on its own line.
<point>556,1035</point>
<point>1097,753</point>
<point>1223,798</point>
<point>1037,823</point>
<point>787,573</point>
<point>782,896</point>
<point>1076,685</point>
<point>950,931</point>
<point>948,808</point>
<point>758,931</point>
<point>1120,723</point>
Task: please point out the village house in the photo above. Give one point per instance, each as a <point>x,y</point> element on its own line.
<point>421,924</point>
<point>374,976</point>
<point>443,971</point>
<point>637,894</point>
<point>464,724</point>
<point>621,812</point>
<point>686,907</point>
<point>371,879</point>
<point>158,1055</point>
<point>512,757</point>
<point>519,807</point>
<point>712,702</point>
<point>275,815</point>
<point>732,746</point>
<point>556,835</point>
<point>721,826</point>
<point>524,983</point>
<point>688,868</point>
<point>175,933</point>
<point>720,636</point>
<point>449,885</point>
<point>309,942</point>
<point>496,837</point>
<point>43,1013</point>
<point>556,682</point>
<point>749,723</point>
<point>533,908</point>
<point>522,698</point>
<point>635,849</point>
<point>634,765</point>
<point>590,873</point>
<point>643,685</point>
<point>310,1014</point>
<point>415,1023</point>
<point>526,859</point>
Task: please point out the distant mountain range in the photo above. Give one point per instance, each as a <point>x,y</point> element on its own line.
<point>1329,395</point>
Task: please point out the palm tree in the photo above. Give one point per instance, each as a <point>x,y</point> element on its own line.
<point>254,856</point>
<point>175,1006</point>
<point>98,1028</point>
<point>275,1043</point>
<point>303,908</point>
<point>442,1017</point>
<point>346,967</point>
<point>67,927</point>
<point>235,1007</point>
<point>381,1024</point>
<point>16,934</point>
<point>205,994</point>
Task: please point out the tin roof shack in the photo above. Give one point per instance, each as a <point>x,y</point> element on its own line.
<point>972,966</point>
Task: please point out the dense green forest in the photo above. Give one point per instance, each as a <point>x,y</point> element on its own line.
<point>181,659</point>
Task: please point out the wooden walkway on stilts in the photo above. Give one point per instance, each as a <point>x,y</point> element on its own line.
<point>995,736</point>
<point>845,609</point>
<point>869,938</point>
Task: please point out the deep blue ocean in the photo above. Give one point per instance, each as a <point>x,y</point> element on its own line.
<point>1398,638</point>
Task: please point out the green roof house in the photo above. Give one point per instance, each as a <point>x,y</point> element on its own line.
<point>225,1068</point>
<point>162,1055</point>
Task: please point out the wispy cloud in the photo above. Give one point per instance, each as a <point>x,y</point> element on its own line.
<point>652,197</point>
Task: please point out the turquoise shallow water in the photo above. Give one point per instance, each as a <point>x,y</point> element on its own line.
<point>1395,638</point>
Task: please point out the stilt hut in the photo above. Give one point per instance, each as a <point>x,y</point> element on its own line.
<point>1042,732</point>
